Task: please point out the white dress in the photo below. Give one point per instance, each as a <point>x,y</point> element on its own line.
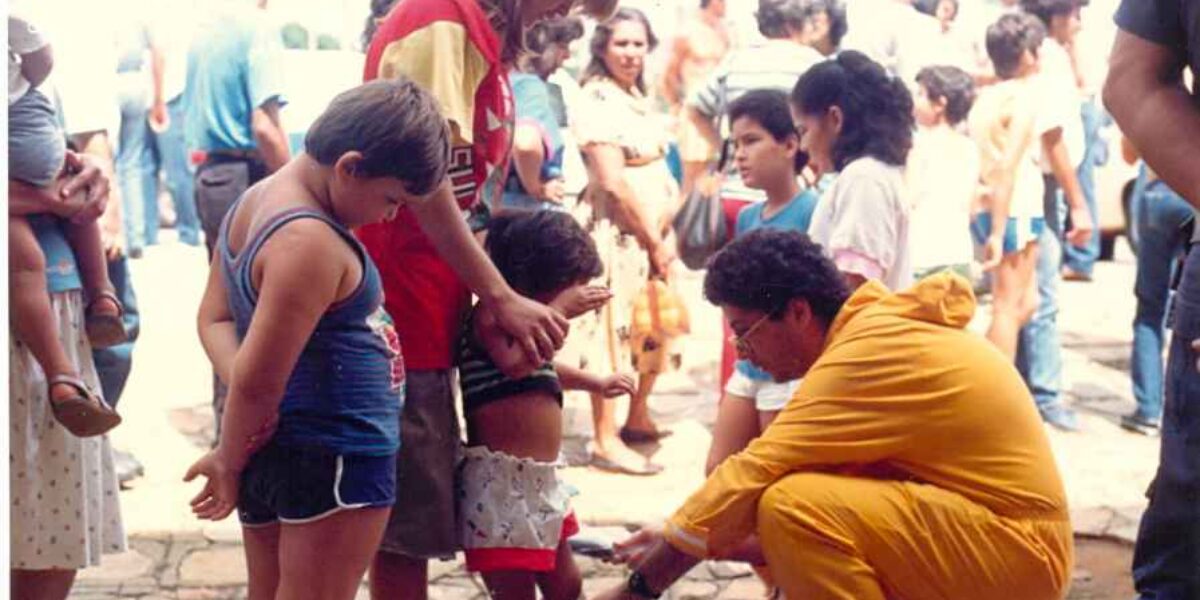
<point>63,489</point>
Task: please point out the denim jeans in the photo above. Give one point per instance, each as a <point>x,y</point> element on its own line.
<point>1083,260</point>
<point>177,170</point>
<point>137,172</point>
<point>1159,214</point>
<point>1039,354</point>
<point>1166,561</point>
<point>114,364</point>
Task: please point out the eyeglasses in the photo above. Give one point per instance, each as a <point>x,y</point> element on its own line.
<point>742,342</point>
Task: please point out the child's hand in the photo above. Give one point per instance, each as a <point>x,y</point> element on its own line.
<point>993,252</point>
<point>554,191</point>
<point>220,493</point>
<point>1081,227</point>
<point>581,299</point>
<point>615,386</point>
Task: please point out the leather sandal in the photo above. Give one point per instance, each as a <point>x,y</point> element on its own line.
<point>84,414</point>
<point>105,331</point>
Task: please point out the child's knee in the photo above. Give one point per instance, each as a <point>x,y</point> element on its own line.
<point>24,254</point>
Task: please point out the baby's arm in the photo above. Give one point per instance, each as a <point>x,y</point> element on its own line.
<point>501,347</point>
<point>612,386</point>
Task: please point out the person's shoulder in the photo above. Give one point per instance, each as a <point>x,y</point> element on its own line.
<point>749,217</point>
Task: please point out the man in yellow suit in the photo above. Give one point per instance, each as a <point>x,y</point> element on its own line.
<point>911,462</point>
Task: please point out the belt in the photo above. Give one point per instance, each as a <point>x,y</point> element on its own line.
<point>235,153</point>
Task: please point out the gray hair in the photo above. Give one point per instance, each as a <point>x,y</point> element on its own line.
<point>778,18</point>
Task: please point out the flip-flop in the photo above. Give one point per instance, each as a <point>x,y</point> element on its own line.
<point>84,414</point>
<point>605,463</point>
<point>633,436</point>
<point>105,331</point>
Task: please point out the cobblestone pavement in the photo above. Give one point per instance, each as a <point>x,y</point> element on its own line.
<point>167,424</point>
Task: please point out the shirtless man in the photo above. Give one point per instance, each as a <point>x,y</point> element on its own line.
<point>700,45</point>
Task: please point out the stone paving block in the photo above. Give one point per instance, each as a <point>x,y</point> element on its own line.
<point>212,567</point>
<point>747,588</point>
<point>179,547</point>
<point>692,590</point>
<point>138,587</point>
<point>116,568</point>
<point>207,593</point>
<point>228,531</point>
<point>724,569</point>
<point>154,548</point>
<point>443,568</point>
<point>1091,521</point>
<point>595,585</point>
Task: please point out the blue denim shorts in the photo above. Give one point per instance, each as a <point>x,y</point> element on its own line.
<point>1018,233</point>
<point>290,484</point>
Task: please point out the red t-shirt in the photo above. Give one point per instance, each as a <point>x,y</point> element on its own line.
<point>450,49</point>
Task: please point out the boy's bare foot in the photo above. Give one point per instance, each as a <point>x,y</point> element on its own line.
<point>104,325</point>
<point>78,409</point>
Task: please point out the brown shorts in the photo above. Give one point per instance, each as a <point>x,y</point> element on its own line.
<point>423,523</point>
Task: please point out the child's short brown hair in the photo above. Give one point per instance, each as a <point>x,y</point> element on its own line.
<point>1009,38</point>
<point>396,125</point>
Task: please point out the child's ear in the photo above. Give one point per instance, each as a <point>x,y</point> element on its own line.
<point>349,164</point>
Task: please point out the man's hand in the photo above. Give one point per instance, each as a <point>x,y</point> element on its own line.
<point>87,176</point>
<point>159,118</point>
<point>1082,227</point>
<point>220,493</point>
<point>539,329</point>
<point>634,549</point>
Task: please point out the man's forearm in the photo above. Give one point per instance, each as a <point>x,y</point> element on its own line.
<point>1064,172</point>
<point>665,565</point>
<point>25,199</point>
<point>269,136</point>
<point>1145,94</point>
<point>443,224</point>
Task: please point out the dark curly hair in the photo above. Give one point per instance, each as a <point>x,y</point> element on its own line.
<point>602,35</point>
<point>541,252</point>
<point>768,108</point>
<point>877,119</point>
<point>951,84</point>
<point>1009,38</point>
<point>767,268</point>
<point>379,10</point>
<point>1048,9</point>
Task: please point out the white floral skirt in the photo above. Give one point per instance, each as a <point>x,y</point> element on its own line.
<point>63,489</point>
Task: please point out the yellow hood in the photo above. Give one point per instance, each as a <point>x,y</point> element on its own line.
<point>943,299</point>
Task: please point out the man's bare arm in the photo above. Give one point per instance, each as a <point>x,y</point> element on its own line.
<point>1145,94</point>
<point>269,136</point>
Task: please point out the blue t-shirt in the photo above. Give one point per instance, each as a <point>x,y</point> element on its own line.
<point>62,274</point>
<point>531,97</point>
<point>795,216</point>
<point>233,68</point>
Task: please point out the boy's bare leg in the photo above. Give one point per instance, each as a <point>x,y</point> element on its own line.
<point>399,577</point>
<point>639,419</point>
<point>510,585</point>
<point>564,582</point>
<point>31,317</point>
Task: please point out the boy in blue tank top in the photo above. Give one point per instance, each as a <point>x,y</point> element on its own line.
<point>768,157</point>
<point>292,320</point>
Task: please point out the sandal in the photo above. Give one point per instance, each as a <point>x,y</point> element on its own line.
<point>84,414</point>
<point>105,331</point>
<point>634,436</point>
<point>605,463</point>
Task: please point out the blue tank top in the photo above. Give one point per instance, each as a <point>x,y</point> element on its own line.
<point>347,388</point>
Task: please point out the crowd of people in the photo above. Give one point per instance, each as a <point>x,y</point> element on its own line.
<point>490,220</point>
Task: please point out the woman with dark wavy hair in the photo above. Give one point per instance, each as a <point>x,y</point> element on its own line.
<point>856,120</point>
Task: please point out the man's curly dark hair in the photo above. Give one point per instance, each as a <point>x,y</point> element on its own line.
<point>767,268</point>
<point>877,118</point>
<point>541,252</point>
<point>952,84</point>
<point>1048,9</point>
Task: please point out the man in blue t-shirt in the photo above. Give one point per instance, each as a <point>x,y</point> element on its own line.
<point>1145,93</point>
<point>233,95</point>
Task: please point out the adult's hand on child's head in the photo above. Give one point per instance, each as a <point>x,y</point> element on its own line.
<point>615,386</point>
<point>582,299</point>
<point>1082,227</point>
<point>85,174</point>
<point>220,493</point>
<point>539,329</point>
<point>633,550</point>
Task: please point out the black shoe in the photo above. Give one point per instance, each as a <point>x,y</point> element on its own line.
<point>1136,423</point>
<point>128,468</point>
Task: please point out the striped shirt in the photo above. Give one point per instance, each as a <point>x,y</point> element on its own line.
<point>482,381</point>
